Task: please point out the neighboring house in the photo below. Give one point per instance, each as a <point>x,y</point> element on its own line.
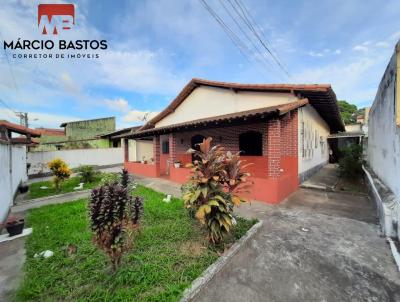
<point>13,162</point>
<point>383,152</point>
<point>282,129</point>
<point>47,135</point>
<point>83,134</point>
<point>139,150</point>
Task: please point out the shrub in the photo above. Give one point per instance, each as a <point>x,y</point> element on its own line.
<point>351,162</point>
<point>212,190</point>
<point>109,178</point>
<point>87,173</point>
<point>114,219</point>
<point>60,170</point>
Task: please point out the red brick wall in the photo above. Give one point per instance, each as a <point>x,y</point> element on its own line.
<point>156,154</point>
<point>227,137</point>
<point>274,148</point>
<point>275,174</point>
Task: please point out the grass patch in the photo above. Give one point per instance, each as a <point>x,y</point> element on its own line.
<point>170,252</point>
<point>67,186</point>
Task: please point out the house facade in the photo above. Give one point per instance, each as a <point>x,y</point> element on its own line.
<point>281,129</point>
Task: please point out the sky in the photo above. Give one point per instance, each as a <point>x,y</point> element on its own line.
<point>155,47</point>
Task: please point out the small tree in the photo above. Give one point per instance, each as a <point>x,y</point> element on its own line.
<point>213,189</point>
<point>60,170</point>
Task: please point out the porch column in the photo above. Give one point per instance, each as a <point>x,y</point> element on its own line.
<point>274,148</point>
<point>289,134</point>
<point>172,148</point>
<point>295,134</point>
<point>156,153</point>
<point>126,150</point>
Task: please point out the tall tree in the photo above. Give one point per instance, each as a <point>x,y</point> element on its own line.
<point>348,112</point>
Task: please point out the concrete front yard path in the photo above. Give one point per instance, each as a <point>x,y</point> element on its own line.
<point>316,246</point>
<point>12,258</point>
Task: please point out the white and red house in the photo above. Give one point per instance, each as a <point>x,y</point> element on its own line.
<point>281,128</point>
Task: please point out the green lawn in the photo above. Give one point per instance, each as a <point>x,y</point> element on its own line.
<point>67,186</point>
<point>170,252</point>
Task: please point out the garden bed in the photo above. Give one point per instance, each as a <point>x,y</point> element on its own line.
<point>170,252</point>
<point>66,187</point>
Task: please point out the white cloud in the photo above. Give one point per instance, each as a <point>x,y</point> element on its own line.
<point>325,52</point>
<point>39,119</point>
<point>141,70</point>
<point>9,115</point>
<point>119,104</point>
<point>137,116</point>
<point>382,44</point>
<point>315,54</point>
<point>352,77</point>
<point>69,84</point>
<point>361,48</point>
<point>121,66</point>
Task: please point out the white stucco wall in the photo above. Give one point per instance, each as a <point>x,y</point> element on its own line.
<point>144,149</point>
<point>383,133</point>
<point>139,149</point>
<point>353,128</point>
<point>206,102</point>
<point>12,173</point>
<point>75,158</point>
<point>315,132</point>
<point>19,160</point>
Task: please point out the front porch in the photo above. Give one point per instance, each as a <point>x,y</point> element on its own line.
<point>271,145</point>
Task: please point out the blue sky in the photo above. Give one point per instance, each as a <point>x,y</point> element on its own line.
<point>156,47</point>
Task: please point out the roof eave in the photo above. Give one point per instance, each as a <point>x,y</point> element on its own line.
<point>223,120</point>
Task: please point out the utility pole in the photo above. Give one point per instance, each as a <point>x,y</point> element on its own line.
<point>23,118</point>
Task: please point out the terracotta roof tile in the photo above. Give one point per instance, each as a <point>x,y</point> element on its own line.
<point>19,128</point>
<point>51,132</point>
<point>321,97</point>
<point>219,120</point>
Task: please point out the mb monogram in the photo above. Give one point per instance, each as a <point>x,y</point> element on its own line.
<point>53,20</point>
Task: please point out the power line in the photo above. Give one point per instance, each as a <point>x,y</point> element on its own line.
<point>263,59</point>
<point>231,34</point>
<point>6,106</point>
<point>245,16</point>
<point>9,66</point>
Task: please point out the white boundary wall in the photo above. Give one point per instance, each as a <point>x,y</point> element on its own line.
<point>12,173</point>
<point>75,158</point>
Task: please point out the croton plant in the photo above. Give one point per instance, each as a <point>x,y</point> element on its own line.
<point>214,189</point>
